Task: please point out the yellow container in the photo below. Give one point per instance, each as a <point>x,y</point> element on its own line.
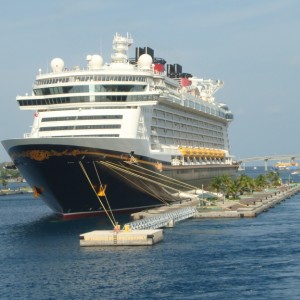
<point>127,227</point>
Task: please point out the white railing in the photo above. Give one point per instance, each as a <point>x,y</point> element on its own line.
<point>163,220</point>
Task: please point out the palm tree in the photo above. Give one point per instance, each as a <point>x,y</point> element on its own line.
<point>274,178</point>
<point>216,184</point>
<point>234,189</point>
<point>247,184</point>
<point>261,182</point>
<point>222,184</point>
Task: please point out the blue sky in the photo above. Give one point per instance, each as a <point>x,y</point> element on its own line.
<point>252,45</point>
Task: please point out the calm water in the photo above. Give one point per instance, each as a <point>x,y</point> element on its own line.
<point>40,257</point>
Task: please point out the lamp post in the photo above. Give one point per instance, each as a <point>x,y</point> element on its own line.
<point>223,189</point>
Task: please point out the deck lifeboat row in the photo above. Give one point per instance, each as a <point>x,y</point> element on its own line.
<point>202,152</point>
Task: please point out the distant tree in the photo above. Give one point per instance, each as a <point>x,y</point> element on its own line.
<point>234,189</point>
<point>261,182</point>
<point>247,184</point>
<point>243,184</point>
<point>5,173</point>
<point>222,184</point>
<point>274,178</point>
<point>216,184</point>
<point>4,183</point>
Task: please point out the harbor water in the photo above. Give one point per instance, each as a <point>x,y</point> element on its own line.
<point>255,258</point>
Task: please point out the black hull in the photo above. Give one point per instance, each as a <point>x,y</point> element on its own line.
<point>68,180</point>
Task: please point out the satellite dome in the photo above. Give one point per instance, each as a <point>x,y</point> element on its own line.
<point>57,65</point>
<point>145,61</point>
<point>95,62</point>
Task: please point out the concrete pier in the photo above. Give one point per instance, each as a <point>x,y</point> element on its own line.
<point>121,238</point>
<point>142,231</point>
<point>248,207</point>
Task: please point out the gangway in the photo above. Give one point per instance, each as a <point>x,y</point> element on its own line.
<point>162,220</point>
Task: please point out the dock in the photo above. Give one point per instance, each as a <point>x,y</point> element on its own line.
<point>144,230</point>
<point>165,219</point>
<point>249,206</point>
<point>121,238</point>
<point>21,190</point>
<point>146,227</point>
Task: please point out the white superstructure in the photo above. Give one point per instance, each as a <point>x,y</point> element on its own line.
<point>175,112</point>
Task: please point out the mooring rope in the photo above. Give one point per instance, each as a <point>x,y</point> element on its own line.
<point>113,165</point>
<point>113,168</point>
<point>180,183</point>
<point>125,170</point>
<point>86,175</point>
<point>107,202</point>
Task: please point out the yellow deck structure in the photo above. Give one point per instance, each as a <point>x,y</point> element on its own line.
<point>201,152</point>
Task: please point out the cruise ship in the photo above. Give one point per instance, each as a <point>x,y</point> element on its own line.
<point>122,136</point>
